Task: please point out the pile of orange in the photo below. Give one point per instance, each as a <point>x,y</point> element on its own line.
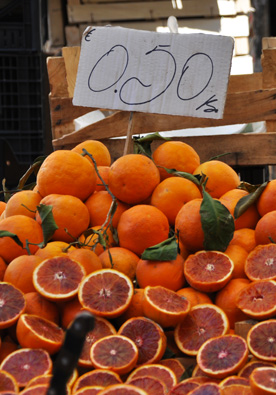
<point>201,322</point>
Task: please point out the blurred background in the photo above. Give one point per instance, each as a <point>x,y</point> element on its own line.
<point>32,30</point>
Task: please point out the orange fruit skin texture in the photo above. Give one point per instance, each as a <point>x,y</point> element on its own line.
<point>69,213</point>
<point>98,206</point>
<point>169,274</point>
<point>245,238</point>
<point>97,149</point>
<point>121,259</point>
<point>141,227</point>
<point>195,297</point>
<point>24,203</point>
<point>267,200</point>
<point>249,218</point>
<point>175,155</point>
<point>104,174</point>
<point>238,255</point>
<point>132,178</point>
<point>170,195</point>
<point>221,177</point>
<point>25,228</point>
<point>68,173</point>
<point>265,231</point>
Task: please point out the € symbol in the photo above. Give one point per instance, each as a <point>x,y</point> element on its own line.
<point>87,36</point>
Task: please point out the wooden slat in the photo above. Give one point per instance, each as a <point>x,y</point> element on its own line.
<point>71,61</point>
<point>245,83</point>
<point>55,23</point>
<point>57,76</point>
<point>149,10</point>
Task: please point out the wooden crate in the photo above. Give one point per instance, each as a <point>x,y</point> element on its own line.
<point>250,98</point>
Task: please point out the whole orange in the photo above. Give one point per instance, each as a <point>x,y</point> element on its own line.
<point>175,155</point>
<point>221,177</point>
<point>132,178</point>
<point>170,195</point>
<point>121,259</point>
<point>24,203</point>
<point>249,218</point>
<point>97,149</point>
<point>188,224</point>
<point>194,296</point>
<point>70,214</point>
<point>238,255</point>
<point>267,200</point>
<point>245,238</point>
<point>142,226</point>
<point>26,229</point>
<point>169,274</point>
<point>104,174</point>
<point>265,231</point>
<point>68,173</point>
<point>2,207</point>
<point>87,258</point>
<point>99,204</point>
<point>54,248</point>
<point>97,242</point>
<point>38,305</point>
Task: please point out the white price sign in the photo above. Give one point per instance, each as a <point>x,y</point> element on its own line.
<point>163,73</point>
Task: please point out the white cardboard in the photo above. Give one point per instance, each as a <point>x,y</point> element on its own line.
<point>163,73</point>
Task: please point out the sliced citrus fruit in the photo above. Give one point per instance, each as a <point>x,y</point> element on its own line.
<point>151,385</point>
<point>162,373</point>
<point>148,336</point>
<point>164,306</point>
<point>236,389</point>
<point>58,278</point>
<point>106,293</point>
<point>203,322</point>
<point>12,304</point>
<point>90,390</point>
<point>115,352</point>
<point>40,389</point>
<point>261,340</point>
<point>250,366</point>
<point>7,382</point>
<point>175,365</point>
<point>101,377</point>
<point>44,379</point>
<point>223,355</point>
<point>263,381</point>
<point>33,331</point>
<point>208,271</point>
<point>257,299</point>
<point>123,389</point>
<point>234,380</point>
<point>206,389</point>
<point>260,263</point>
<point>102,328</point>
<point>184,387</point>
<point>26,363</point>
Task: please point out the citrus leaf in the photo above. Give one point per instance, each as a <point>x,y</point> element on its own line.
<point>48,223</point>
<point>142,145</point>
<point>246,201</point>
<point>165,251</point>
<point>182,174</point>
<point>5,233</point>
<point>217,223</point>
<point>32,169</point>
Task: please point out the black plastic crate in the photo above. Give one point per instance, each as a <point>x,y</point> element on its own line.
<point>22,109</point>
<point>20,24</point>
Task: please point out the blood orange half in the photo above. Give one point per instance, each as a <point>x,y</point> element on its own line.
<point>7,382</point>
<point>106,293</point>
<point>162,373</point>
<point>261,263</point>
<point>206,389</point>
<point>208,271</point>
<point>257,299</point>
<point>263,381</point>
<point>123,389</point>
<point>164,306</point>
<point>115,352</point>
<point>58,278</point>
<point>100,377</point>
<point>250,366</point>
<point>261,340</point>
<point>203,322</point>
<point>12,304</point>
<point>25,364</point>
<point>150,384</point>
<point>148,336</point>
<point>222,356</point>
<point>184,387</point>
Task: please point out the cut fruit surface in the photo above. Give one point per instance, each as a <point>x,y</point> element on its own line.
<point>58,278</point>
<point>123,389</point>
<point>206,389</point>
<point>175,365</point>
<point>151,385</point>
<point>115,352</point>
<point>261,263</point>
<point>208,271</point>
<point>203,322</point>
<point>184,387</point>
<point>101,377</point>
<point>250,366</point>
<point>12,304</point>
<point>257,299</point>
<point>162,373</point>
<point>222,356</point>
<point>261,340</point>
<point>25,364</point>
<point>148,336</point>
<point>7,382</point>
<point>164,306</point>
<point>263,380</point>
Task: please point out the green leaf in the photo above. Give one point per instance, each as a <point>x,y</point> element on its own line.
<point>182,174</point>
<point>246,201</point>
<point>48,223</point>
<point>142,145</point>
<point>5,233</point>
<point>217,223</point>
<point>165,251</point>
<point>32,169</point>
